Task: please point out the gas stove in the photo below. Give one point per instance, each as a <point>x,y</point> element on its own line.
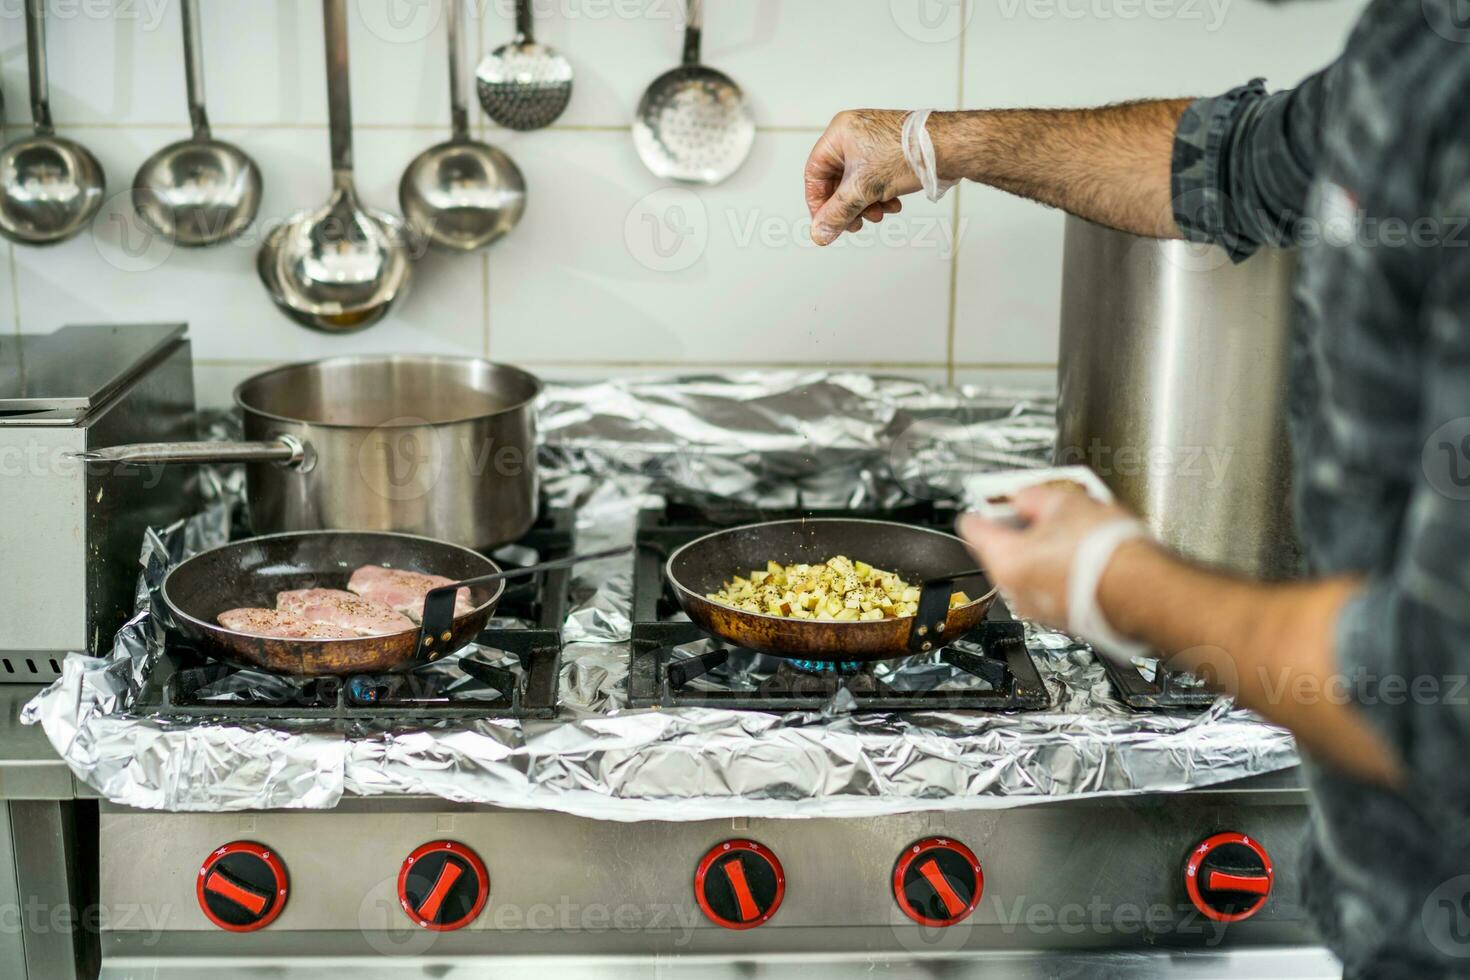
<point>1210,873</point>
<point>674,663</point>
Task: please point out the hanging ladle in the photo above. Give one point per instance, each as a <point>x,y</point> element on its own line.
<point>342,266</point>
<point>524,84</point>
<point>461,194</point>
<point>198,191</point>
<point>52,187</point>
<point>693,123</point>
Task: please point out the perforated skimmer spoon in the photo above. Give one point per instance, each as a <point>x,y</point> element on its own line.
<point>523,84</point>
<point>693,123</point>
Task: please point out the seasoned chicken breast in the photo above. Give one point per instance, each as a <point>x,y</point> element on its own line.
<point>403,590</point>
<point>362,616</point>
<point>278,623</point>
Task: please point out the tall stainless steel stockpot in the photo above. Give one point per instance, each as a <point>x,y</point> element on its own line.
<point>442,447</point>
<point>1172,385</point>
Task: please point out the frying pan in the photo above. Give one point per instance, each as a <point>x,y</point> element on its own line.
<point>250,572</point>
<point>940,561</point>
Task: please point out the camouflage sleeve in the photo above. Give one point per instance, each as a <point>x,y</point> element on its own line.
<point>1403,643</point>
<point>1243,163</point>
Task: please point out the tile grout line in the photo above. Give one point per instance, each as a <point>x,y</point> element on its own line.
<point>780,365</point>
<point>954,255</point>
<point>485,302</point>
<point>388,127</point>
<point>14,286</point>
<point>482,126</point>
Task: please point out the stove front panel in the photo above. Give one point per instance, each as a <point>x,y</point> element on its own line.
<point>1094,873</point>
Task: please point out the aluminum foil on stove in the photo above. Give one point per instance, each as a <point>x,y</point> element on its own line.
<point>609,449</point>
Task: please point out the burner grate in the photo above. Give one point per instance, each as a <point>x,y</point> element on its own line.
<point>1002,676</point>
<point>1167,688</point>
<point>515,676</point>
<point>523,684</point>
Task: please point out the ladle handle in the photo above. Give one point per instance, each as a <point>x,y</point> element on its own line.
<point>285,450</point>
<point>194,69</point>
<point>523,21</point>
<point>339,92</point>
<point>693,30</point>
<point>36,55</point>
<point>459,119</point>
<point>436,623</point>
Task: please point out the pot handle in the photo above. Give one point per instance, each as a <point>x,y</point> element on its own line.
<point>285,450</point>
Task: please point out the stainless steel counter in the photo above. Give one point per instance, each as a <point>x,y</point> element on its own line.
<point>29,767</point>
<point>306,961</point>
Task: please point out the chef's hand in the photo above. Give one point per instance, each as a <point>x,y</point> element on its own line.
<point>856,171</point>
<point>1032,564</point>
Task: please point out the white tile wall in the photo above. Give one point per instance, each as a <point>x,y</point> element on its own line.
<point>612,272</point>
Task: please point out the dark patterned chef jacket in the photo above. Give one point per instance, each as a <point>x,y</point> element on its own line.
<point>1365,168</point>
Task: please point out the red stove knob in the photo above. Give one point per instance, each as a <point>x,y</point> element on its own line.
<point>937,881</point>
<point>1228,877</point>
<point>242,886</point>
<point>739,884</point>
<point>443,885</point>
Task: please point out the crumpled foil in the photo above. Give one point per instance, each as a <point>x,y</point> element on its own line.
<point>763,439</point>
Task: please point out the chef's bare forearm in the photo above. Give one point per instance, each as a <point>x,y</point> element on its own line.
<point>1110,165</point>
<point>1271,645</point>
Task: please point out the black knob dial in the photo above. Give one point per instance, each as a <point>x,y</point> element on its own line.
<point>242,886</point>
<point>1228,877</point>
<point>443,885</point>
<point>937,881</point>
<point>739,884</point>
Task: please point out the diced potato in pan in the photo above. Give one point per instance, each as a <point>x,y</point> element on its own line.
<point>838,589</point>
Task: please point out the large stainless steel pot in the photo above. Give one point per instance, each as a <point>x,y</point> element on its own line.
<point>441,447</point>
<point>1172,385</point>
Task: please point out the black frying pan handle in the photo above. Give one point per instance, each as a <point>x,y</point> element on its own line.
<point>928,629</point>
<point>436,625</point>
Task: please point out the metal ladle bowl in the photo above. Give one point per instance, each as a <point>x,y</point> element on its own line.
<point>198,191</point>
<point>339,267</point>
<point>50,186</point>
<point>461,194</point>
